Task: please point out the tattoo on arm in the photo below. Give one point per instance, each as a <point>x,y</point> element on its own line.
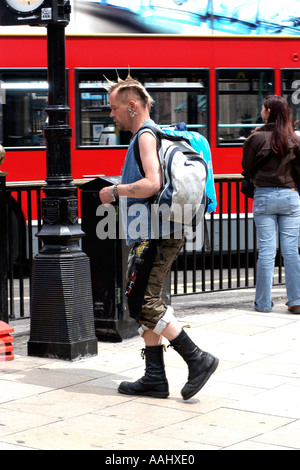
<point>132,188</point>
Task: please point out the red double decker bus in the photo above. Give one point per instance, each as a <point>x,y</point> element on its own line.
<point>215,84</point>
<point>202,67</point>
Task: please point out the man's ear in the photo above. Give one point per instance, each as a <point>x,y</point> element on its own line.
<point>132,105</point>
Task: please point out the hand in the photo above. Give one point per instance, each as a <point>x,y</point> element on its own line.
<point>106,196</point>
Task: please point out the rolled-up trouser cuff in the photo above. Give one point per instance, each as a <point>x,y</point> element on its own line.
<point>142,330</point>
<point>161,324</point>
<point>164,321</point>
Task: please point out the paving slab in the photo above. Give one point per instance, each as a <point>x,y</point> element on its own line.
<point>250,403</point>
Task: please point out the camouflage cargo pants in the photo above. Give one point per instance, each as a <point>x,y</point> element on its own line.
<point>149,263</point>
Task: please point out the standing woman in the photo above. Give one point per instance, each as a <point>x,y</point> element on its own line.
<point>276,200</point>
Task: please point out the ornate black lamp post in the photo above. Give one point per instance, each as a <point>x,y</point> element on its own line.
<point>62,319</point>
<point>3,244</point>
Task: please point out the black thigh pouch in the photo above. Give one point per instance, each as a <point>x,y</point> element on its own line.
<point>140,262</point>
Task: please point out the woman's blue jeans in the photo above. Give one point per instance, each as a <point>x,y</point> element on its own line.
<point>277,208</point>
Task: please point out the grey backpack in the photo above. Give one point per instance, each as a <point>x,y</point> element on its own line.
<point>182,196</point>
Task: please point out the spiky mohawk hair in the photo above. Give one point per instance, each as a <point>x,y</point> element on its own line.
<point>130,88</point>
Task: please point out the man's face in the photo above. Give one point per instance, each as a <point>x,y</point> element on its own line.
<point>119,112</point>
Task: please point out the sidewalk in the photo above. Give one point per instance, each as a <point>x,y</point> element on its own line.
<point>250,403</point>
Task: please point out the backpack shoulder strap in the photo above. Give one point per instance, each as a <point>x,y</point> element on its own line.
<point>159,135</point>
<point>136,147</point>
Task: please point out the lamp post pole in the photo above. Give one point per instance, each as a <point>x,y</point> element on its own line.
<point>3,244</point>
<point>62,319</point>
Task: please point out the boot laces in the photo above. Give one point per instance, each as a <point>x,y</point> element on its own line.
<point>143,351</point>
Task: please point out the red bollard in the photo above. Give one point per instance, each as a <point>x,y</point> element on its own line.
<point>6,340</point>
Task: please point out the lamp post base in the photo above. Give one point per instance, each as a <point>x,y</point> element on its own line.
<point>62,319</point>
<point>64,351</point>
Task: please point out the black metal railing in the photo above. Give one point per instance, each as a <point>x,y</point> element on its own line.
<point>22,212</point>
<point>228,262</point>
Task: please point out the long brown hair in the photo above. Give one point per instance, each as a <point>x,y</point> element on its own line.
<point>279,121</point>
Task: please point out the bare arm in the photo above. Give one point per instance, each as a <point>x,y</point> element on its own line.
<point>150,184</point>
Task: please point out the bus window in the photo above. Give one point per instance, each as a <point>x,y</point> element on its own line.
<point>290,86</point>
<point>240,96</point>
<point>23,99</point>
<point>94,110</point>
<point>179,95</point>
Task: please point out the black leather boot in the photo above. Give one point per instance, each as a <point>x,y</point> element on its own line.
<point>201,364</point>
<point>154,383</point>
